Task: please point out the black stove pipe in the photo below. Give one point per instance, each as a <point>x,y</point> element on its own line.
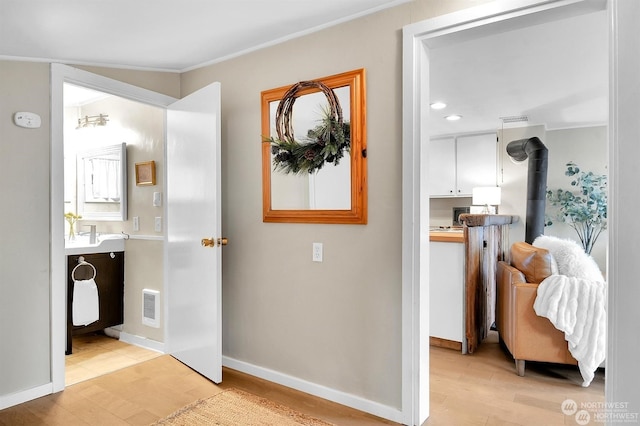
<point>534,149</point>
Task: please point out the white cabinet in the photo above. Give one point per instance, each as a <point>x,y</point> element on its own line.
<point>446,291</point>
<point>457,164</point>
<point>476,162</point>
<point>442,167</point>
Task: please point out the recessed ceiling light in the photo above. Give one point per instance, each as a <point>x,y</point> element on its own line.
<point>453,117</point>
<point>438,105</point>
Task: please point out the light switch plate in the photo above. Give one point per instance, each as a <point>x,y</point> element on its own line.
<point>158,224</point>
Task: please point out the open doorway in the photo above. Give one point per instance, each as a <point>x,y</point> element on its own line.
<point>102,204</point>
<point>145,251</point>
<point>548,80</point>
<point>192,153</point>
<point>421,42</point>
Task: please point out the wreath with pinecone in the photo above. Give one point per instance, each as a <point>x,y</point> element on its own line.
<point>324,144</point>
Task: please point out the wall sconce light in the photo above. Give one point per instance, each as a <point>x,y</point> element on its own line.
<point>487,196</point>
<point>92,121</point>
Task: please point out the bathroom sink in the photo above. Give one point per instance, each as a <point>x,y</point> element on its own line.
<point>105,243</point>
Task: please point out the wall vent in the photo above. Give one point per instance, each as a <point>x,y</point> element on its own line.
<point>514,119</point>
<point>151,308</point>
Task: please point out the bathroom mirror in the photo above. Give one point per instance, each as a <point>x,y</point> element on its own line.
<point>102,183</point>
<point>331,190</point>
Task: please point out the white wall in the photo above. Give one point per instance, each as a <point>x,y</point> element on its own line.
<point>336,323</point>
<point>24,230</point>
<point>587,147</point>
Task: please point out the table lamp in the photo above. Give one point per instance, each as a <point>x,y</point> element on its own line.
<point>487,196</point>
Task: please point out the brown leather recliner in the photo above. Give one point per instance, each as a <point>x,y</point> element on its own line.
<point>526,335</point>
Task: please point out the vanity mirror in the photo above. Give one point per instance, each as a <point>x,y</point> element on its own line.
<point>314,156</point>
<point>102,183</point>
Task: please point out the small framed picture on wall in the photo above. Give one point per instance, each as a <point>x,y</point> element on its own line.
<point>146,173</point>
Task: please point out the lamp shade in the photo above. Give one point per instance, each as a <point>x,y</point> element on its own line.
<point>486,196</point>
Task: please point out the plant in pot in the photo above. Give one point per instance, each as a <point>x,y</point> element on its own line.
<point>583,207</point>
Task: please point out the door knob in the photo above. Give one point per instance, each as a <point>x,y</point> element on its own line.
<point>211,242</point>
<point>208,242</point>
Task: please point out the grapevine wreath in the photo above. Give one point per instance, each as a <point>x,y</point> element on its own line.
<point>325,143</point>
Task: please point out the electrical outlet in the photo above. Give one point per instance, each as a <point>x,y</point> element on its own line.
<point>317,252</point>
<point>158,224</point>
<point>136,223</point>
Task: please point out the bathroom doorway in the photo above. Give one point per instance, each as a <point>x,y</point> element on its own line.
<point>93,120</point>
<point>173,253</point>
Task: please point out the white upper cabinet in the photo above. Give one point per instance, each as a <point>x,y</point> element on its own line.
<point>457,164</point>
<point>476,162</point>
<point>442,169</point>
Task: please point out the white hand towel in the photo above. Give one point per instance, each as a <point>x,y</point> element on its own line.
<point>86,306</point>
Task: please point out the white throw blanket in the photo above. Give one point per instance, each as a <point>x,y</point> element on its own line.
<point>577,306</point>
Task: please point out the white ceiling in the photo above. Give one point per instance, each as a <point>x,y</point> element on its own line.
<point>555,73</point>
<point>167,35</point>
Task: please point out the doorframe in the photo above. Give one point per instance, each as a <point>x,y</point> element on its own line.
<point>61,74</point>
<point>418,38</point>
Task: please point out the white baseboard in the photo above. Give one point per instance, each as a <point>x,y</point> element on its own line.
<point>7,401</point>
<point>143,342</point>
<point>343,398</point>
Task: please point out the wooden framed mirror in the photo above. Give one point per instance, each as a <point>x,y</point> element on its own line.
<point>327,182</point>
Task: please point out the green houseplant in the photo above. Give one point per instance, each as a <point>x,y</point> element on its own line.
<point>583,207</point>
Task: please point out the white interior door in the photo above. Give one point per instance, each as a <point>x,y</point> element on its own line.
<point>193,272</point>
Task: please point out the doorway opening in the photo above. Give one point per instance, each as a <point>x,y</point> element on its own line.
<point>558,91</point>
<point>62,75</point>
<point>421,41</point>
<point>191,151</point>
<point>95,186</point>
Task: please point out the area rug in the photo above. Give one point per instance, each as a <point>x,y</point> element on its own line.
<point>234,407</point>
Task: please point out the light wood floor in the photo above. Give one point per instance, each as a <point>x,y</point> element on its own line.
<point>478,389</point>
<point>483,389</point>
<point>93,355</point>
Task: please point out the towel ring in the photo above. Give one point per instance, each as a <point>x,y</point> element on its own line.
<point>80,263</point>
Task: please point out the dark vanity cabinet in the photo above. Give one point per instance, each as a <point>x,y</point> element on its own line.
<point>110,282</point>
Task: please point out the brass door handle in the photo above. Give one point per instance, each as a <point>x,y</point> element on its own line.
<point>211,242</point>
<point>208,242</point>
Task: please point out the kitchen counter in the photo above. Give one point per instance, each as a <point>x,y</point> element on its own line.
<point>472,220</point>
<point>447,236</point>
